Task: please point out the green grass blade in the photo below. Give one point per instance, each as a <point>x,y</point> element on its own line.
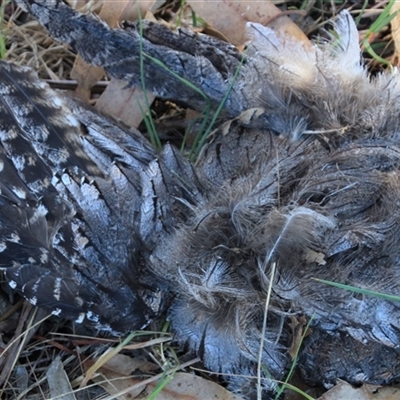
<point>148,120</point>
<point>359,290</point>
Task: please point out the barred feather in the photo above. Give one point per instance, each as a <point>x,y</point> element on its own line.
<point>70,207</point>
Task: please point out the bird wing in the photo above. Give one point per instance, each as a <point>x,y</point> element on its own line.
<point>70,207</point>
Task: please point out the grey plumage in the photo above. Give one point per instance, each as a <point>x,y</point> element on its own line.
<point>309,184</point>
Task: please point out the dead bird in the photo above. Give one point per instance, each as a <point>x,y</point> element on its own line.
<point>232,250</point>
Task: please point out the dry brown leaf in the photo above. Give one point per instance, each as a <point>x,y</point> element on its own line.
<point>114,12</point>
<point>184,386</point>
<point>86,76</point>
<point>124,365</point>
<point>59,384</point>
<point>21,376</point>
<point>126,103</point>
<point>395,25</point>
<point>230,17</point>
<point>114,376</point>
<point>119,387</point>
<point>386,393</point>
<point>344,391</point>
<point>297,325</point>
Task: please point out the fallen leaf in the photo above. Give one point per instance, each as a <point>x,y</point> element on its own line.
<point>230,17</point>
<point>21,377</point>
<point>386,393</point>
<point>86,76</point>
<point>125,365</point>
<point>297,325</point>
<point>59,384</point>
<point>185,386</point>
<point>125,103</point>
<point>115,378</point>
<point>344,391</point>
<point>119,387</point>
